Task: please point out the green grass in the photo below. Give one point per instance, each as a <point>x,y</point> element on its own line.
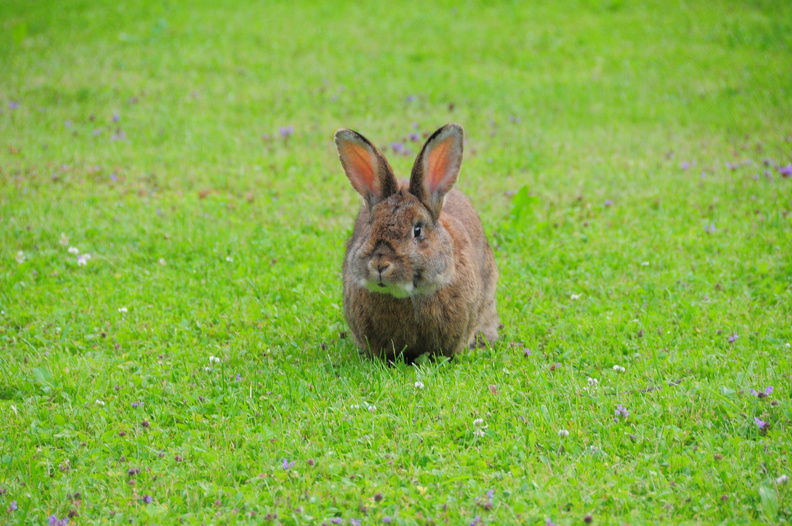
<point>221,238</point>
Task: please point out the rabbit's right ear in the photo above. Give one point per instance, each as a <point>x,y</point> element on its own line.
<point>366,168</point>
<point>437,167</point>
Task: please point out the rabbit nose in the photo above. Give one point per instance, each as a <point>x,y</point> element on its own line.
<point>379,265</point>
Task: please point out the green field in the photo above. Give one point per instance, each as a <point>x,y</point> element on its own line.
<point>630,162</point>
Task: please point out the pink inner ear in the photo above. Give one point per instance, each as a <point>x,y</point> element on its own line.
<point>439,164</point>
<point>359,167</point>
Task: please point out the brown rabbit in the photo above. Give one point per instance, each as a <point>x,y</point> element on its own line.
<point>419,275</point>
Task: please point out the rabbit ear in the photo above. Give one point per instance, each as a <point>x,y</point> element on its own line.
<point>366,168</point>
<point>437,167</point>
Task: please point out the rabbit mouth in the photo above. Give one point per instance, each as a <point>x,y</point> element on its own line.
<point>397,290</point>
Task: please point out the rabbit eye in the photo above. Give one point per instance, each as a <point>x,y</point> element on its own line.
<point>417,230</point>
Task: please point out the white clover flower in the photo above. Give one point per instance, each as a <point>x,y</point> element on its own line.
<point>229,259</point>
<point>83,260</point>
<point>783,479</point>
<point>123,310</point>
<point>593,382</point>
<point>162,261</point>
<point>419,385</point>
<point>74,250</point>
<point>619,368</point>
<point>99,402</point>
<point>563,433</point>
<point>480,426</point>
<point>207,369</point>
<point>64,240</point>
<point>20,257</point>
<point>214,359</point>
<point>372,408</point>
<point>576,296</point>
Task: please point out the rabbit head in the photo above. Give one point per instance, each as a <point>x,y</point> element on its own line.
<point>400,247</point>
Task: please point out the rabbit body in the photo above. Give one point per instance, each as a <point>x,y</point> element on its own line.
<point>419,275</point>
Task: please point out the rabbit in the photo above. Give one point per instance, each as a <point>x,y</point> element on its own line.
<point>419,274</point>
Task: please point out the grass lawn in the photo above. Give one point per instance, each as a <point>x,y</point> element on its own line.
<point>628,160</point>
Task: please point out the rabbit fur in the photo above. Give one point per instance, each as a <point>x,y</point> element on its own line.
<point>419,274</point>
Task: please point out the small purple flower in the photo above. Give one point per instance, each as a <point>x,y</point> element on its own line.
<point>785,171</point>
<point>397,147</point>
<point>685,165</point>
<point>53,521</point>
<point>731,166</point>
<point>414,137</point>
<point>13,506</point>
<point>287,465</point>
<point>137,404</point>
<point>608,202</point>
<point>549,522</point>
<point>709,229</point>
<point>475,521</point>
<point>386,519</point>
<point>733,338</point>
<point>116,117</point>
<point>527,352</point>
<point>354,522</point>
<point>761,424</point>
<point>286,131</point>
<point>238,377</point>
<point>411,98</point>
<point>147,499</point>
<point>13,105</point>
<point>490,494</point>
<point>763,394</point>
<point>622,411</point>
<point>336,520</point>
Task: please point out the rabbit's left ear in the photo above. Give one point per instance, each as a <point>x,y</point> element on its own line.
<point>437,167</point>
<point>366,168</point>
